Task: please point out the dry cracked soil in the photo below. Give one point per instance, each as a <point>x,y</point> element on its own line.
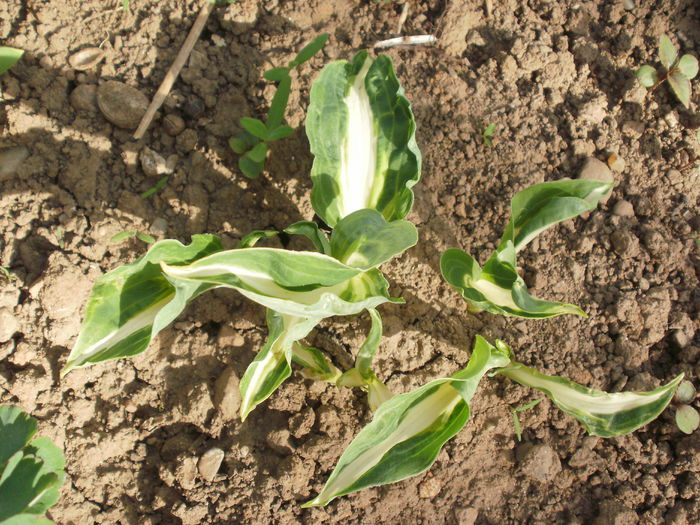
<point>557,80</point>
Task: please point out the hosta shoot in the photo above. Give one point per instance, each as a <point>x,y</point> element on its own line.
<point>678,71</point>
<point>31,470</point>
<point>362,134</point>
<point>253,142</point>
<point>408,431</point>
<point>497,287</point>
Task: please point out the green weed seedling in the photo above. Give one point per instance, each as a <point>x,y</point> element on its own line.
<point>8,57</point>
<point>131,234</point>
<point>487,134</point>
<point>677,71</point>
<point>7,274</point>
<point>361,131</point>
<point>31,470</point>
<point>254,141</point>
<point>687,417</point>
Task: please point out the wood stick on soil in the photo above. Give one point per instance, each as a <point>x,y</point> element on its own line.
<point>174,70</point>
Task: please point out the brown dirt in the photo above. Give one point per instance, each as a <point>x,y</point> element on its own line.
<point>557,80</point>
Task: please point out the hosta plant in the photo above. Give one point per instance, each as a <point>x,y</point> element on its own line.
<point>677,71</point>
<point>362,133</point>
<point>364,112</point>
<point>497,287</point>
<point>31,470</point>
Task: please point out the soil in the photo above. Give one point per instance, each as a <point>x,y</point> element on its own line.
<point>557,79</point>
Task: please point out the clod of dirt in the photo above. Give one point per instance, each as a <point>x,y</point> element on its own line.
<point>612,512</point>
<point>173,125</point>
<point>623,209</point>
<point>10,160</point>
<point>84,98</point>
<point>227,395</point>
<point>539,462</point>
<point>594,169</point>
<point>186,473</point>
<point>122,105</point>
<point>86,58</point>
<point>209,463</point>
<point>9,325</point>
<point>625,243</point>
<point>429,488</point>
<point>466,515</point>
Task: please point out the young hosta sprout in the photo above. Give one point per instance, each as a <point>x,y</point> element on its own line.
<point>362,134</point>
<point>601,413</point>
<point>679,71</point>
<point>497,287</point>
<point>8,57</point>
<point>408,430</point>
<point>31,470</point>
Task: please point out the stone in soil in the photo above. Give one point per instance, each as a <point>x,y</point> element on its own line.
<point>122,105</point>
<point>227,395</point>
<point>539,462</point>
<point>594,169</point>
<point>209,463</point>
<point>86,58</point>
<point>9,325</point>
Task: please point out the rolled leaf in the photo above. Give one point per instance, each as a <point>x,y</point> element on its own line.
<point>497,287</point>
<point>315,364</point>
<point>601,413</point>
<point>250,240</point>
<point>408,431</point>
<point>362,134</point>
<point>131,304</point>
<point>298,284</point>
<point>365,354</point>
<point>272,365</point>
<point>364,239</point>
<point>311,231</point>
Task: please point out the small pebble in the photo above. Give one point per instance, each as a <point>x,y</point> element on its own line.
<point>633,128</point>
<point>539,462</point>
<point>594,169</point>
<point>153,163</point>
<point>122,105</point>
<point>629,4</point>
<point>86,58</point>
<point>173,125</point>
<point>623,209</point>
<point>159,226</point>
<point>616,163</point>
<point>227,394</point>
<point>11,159</point>
<point>194,108</point>
<point>210,462</point>
<point>429,488</point>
